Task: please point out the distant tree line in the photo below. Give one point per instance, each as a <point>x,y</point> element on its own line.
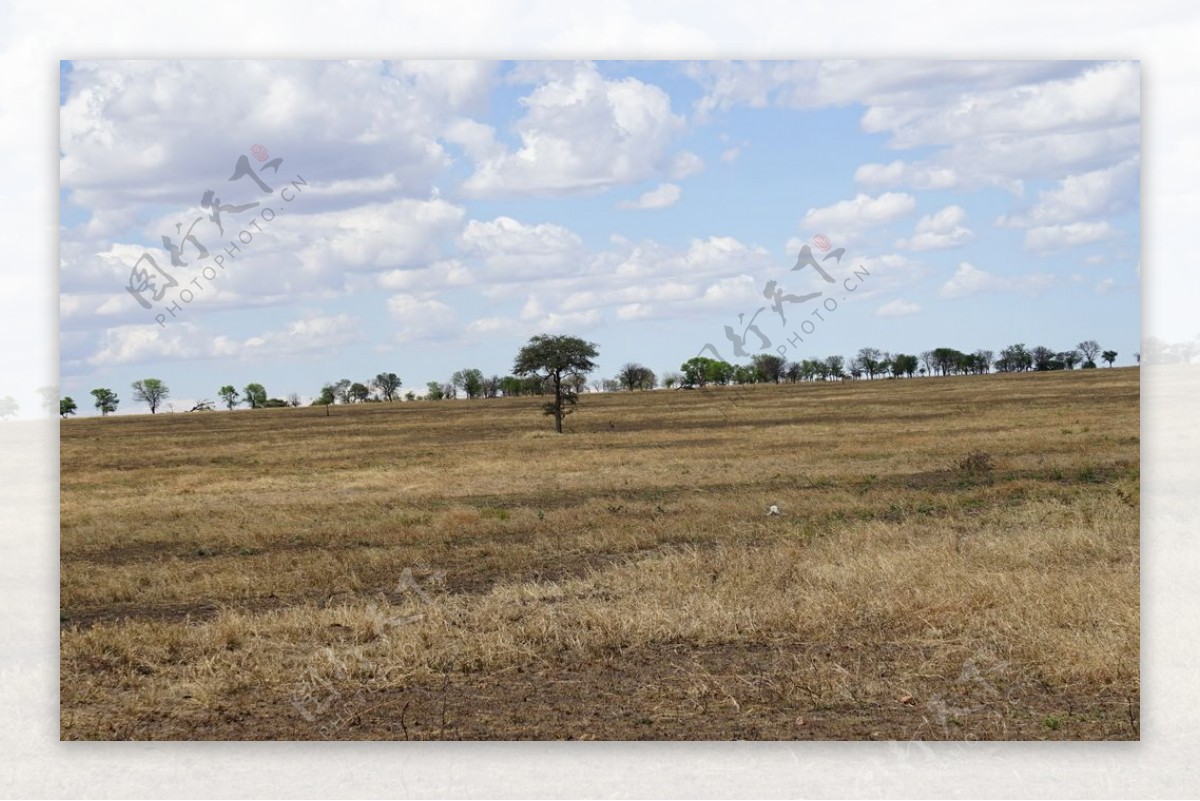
<point>565,363</point>
<point>871,363</point>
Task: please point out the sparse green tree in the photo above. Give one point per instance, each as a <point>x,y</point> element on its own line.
<point>66,406</point>
<point>927,361</point>
<point>745,374</point>
<point>1043,358</point>
<point>229,396</point>
<point>983,361</point>
<point>470,381</point>
<point>636,376</point>
<point>388,385</point>
<point>1109,356</point>
<point>433,391</point>
<point>720,372</point>
<point>359,392</point>
<point>556,359</point>
<point>835,367</point>
<point>870,361</point>
<point>256,395</point>
<point>106,401</point>
<point>1090,348</point>
<point>1014,358</point>
<point>904,364</point>
<point>768,367</point>
<point>151,392</point>
<point>696,371</point>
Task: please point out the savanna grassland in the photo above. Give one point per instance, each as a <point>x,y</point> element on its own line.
<point>954,558</point>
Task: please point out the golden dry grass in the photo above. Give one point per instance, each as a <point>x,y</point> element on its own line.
<point>450,570</point>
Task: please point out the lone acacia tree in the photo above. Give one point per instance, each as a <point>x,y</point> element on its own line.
<point>557,359</point>
<point>150,391</point>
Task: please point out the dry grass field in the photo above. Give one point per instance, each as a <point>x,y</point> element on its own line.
<point>955,558</point>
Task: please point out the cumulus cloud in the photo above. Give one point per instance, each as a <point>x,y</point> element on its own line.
<point>660,197</point>
<point>637,280</point>
<point>1102,94</point>
<point>136,344</point>
<point>583,132</point>
<point>897,308</point>
<point>938,231</point>
<point>970,280</point>
<point>1046,238</point>
<point>511,250</point>
<point>439,275</point>
<point>1085,196</point>
<point>311,334</point>
<point>373,236</point>
<point>986,123</point>
<point>130,344</point>
<point>901,173</point>
<point>163,131</point>
<point>420,318</point>
<point>846,217</point>
<point>685,165</point>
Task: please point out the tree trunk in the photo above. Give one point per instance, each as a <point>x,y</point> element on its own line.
<point>558,403</point>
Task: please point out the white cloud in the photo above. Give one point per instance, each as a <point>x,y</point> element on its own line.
<point>846,217</point>
<point>897,308</point>
<point>1106,286</point>
<point>1088,195</point>
<point>166,130</point>
<point>439,275</point>
<point>130,344</point>
<point>900,173</point>
<point>370,237</point>
<point>703,258</point>
<point>938,231</point>
<point>634,311</point>
<point>582,132</point>
<point>880,275</point>
<point>970,280</point>
<point>685,165</point>
<point>661,197</point>
<point>1100,95</point>
<point>730,155</point>
<point>815,84</point>
<point>989,123</point>
<point>311,334</point>
<point>421,318</point>
<point>1058,237</point>
<point>512,250</point>
<point>135,344</point>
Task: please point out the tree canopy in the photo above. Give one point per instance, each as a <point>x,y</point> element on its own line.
<point>557,358</point>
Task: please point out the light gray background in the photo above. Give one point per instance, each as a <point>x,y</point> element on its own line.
<point>1163,35</point>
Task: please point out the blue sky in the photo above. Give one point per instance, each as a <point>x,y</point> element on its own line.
<point>450,210</point>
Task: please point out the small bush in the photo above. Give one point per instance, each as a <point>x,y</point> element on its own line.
<point>977,464</point>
